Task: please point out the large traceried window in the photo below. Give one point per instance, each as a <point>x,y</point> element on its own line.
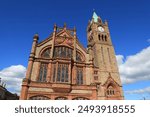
<point>79,79</point>
<point>46,53</point>
<point>62,51</point>
<point>61,73</point>
<point>43,72</point>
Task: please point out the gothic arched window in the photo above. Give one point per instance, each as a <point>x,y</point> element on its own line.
<point>46,53</point>
<point>78,56</point>
<point>105,38</point>
<point>110,91</point>
<point>40,97</point>
<point>99,37</point>
<point>43,72</point>
<point>63,52</point>
<point>79,79</point>
<point>102,37</point>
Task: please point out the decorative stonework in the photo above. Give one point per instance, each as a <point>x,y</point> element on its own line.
<point>61,68</point>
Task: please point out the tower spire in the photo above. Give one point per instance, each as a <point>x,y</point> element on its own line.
<point>95,17</point>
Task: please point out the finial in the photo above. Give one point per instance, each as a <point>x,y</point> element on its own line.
<point>55,27</point>
<point>36,36</point>
<point>64,25</point>
<point>106,22</point>
<point>74,29</point>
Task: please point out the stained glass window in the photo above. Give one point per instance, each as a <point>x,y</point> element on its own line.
<point>46,53</point>
<point>54,72</point>
<point>62,73</point>
<point>78,57</point>
<point>79,79</point>
<point>59,73</point>
<point>62,51</point>
<point>43,73</point>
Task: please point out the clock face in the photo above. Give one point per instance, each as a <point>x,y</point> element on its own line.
<point>101,29</point>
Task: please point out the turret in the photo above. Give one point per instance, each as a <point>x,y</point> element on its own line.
<point>35,41</point>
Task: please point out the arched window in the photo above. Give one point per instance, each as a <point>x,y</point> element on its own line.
<point>40,97</point>
<point>99,37</point>
<point>110,91</point>
<point>79,79</point>
<point>78,56</point>
<point>80,98</point>
<point>43,72</point>
<point>105,38</point>
<point>102,37</point>
<point>61,73</point>
<point>46,53</point>
<point>61,98</point>
<point>63,52</point>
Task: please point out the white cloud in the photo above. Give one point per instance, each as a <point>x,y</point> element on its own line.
<point>135,67</point>
<point>139,91</point>
<point>13,76</point>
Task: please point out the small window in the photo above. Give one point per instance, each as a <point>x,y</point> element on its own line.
<point>110,91</point>
<point>99,37</point>
<point>105,38</point>
<point>95,72</point>
<point>95,77</point>
<point>102,37</point>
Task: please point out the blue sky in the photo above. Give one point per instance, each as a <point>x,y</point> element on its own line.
<point>129,24</point>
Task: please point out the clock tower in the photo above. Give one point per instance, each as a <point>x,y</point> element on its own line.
<point>102,54</point>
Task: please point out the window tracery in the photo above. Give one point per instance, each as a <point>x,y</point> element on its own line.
<point>78,57</point>
<point>62,51</point>
<point>46,53</point>
<point>79,79</point>
<point>43,72</point>
<point>110,91</point>
<point>61,73</point>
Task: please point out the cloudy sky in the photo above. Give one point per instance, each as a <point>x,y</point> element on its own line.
<point>129,25</point>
